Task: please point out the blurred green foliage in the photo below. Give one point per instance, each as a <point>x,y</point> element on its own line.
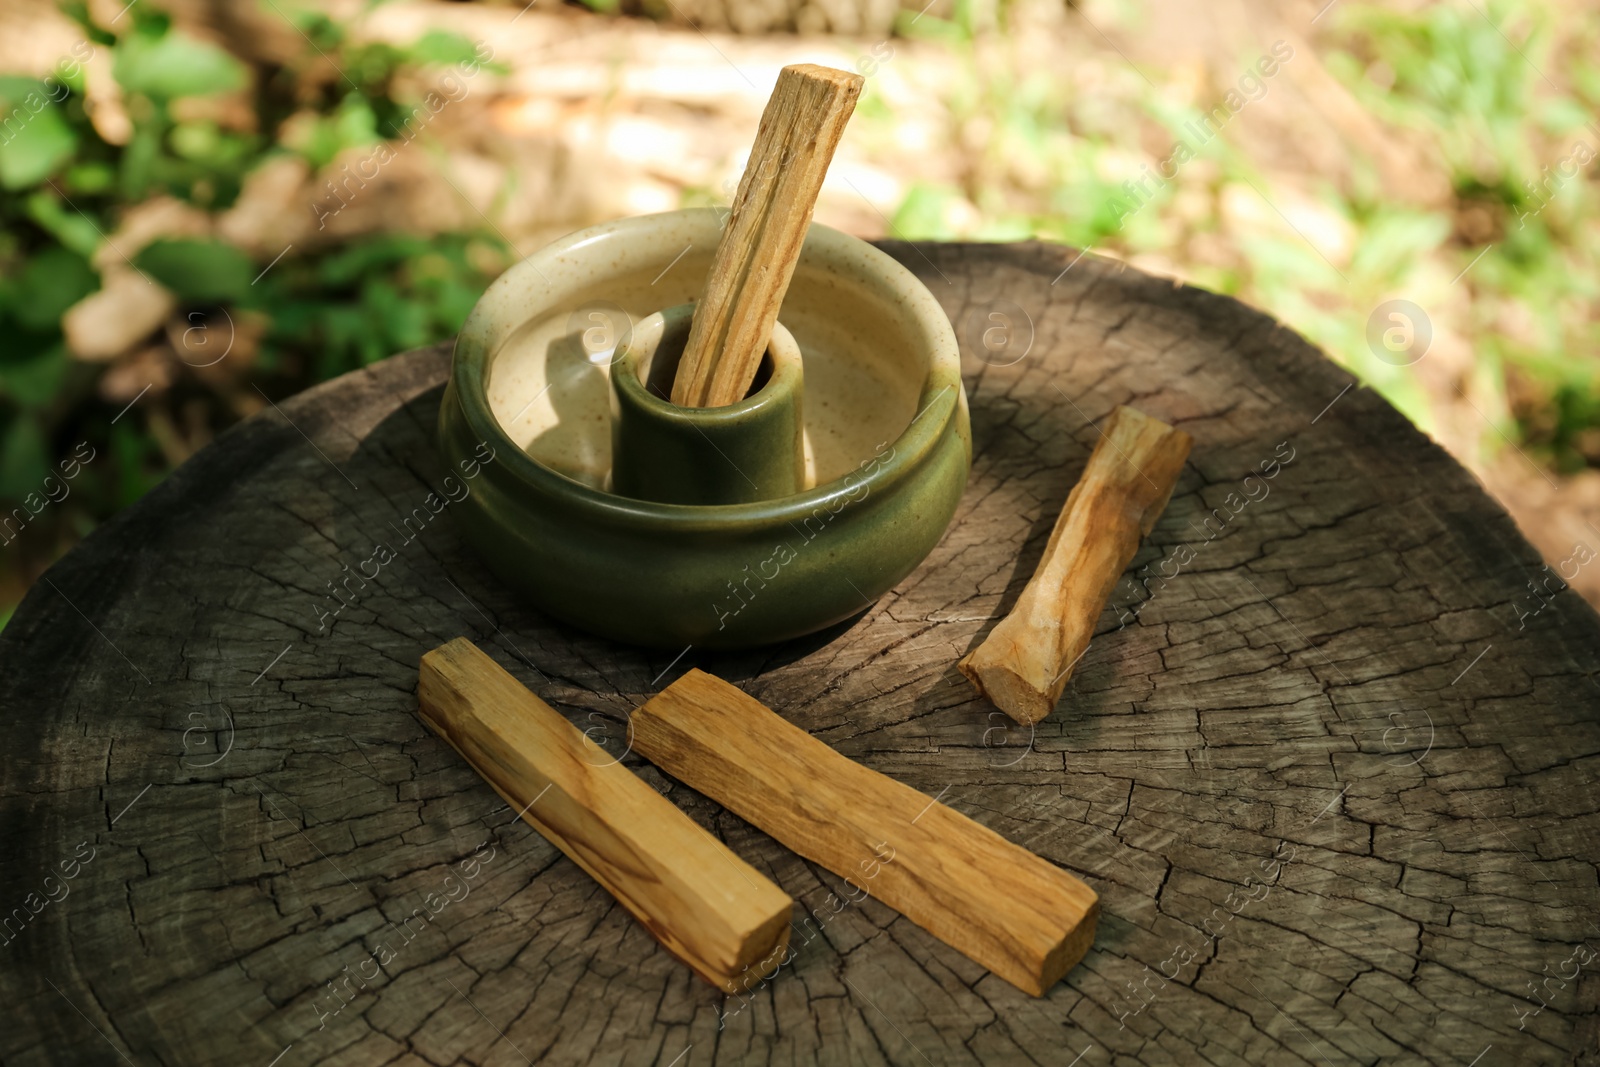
<point>386,294</point>
<point>1506,121</point>
<point>65,188</point>
<point>1515,125</point>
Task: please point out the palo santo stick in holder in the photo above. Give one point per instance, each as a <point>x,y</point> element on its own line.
<point>707,906</point>
<point>1016,914</point>
<point>1024,663</point>
<point>800,128</point>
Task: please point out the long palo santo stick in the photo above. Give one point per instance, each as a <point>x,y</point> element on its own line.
<point>1024,663</point>
<point>800,128</point>
<point>1022,917</point>
<point>707,906</point>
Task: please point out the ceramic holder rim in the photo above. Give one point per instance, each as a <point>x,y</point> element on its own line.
<point>941,398</point>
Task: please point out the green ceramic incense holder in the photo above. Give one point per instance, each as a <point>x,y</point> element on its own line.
<point>603,511</point>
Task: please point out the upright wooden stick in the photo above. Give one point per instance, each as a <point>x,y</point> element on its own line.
<point>800,128</point>
<point>1025,919</point>
<point>707,906</point>
<point>1024,663</point>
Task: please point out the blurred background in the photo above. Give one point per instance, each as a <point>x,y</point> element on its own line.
<point>207,205</point>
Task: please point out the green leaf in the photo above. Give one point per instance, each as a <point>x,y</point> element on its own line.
<point>354,124</point>
<point>920,26</point>
<point>36,382</point>
<point>90,178</point>
<point>367,257</point>
<point>35,138</point>
<point>441,46</point>
<point>923,213</point>
<point>139,160</point>
<point>23,465</point>
<point>68,225</point>
<point>167,64</point>
<point>1004,228</point>
<point>342,329</point>
<point>78,12</point>
<point>402,322</point>
<point>454,303</point>
<point>51,282</point>
<point>370,66</point>
<point>1396,240</point>
<point>1563,115</point>
<point>195,140</point>
<point>132,453</point>
<point>322,33</point>
<point>198,271</point>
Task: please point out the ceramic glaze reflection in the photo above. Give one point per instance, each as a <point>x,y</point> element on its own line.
<point>550,388</point>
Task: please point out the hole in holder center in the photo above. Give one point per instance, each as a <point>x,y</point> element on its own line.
<point>658,373</point>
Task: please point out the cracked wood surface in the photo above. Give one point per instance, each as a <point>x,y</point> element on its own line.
<point>1328,762</point>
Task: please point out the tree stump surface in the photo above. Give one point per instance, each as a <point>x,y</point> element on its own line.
<point>1329,761</point>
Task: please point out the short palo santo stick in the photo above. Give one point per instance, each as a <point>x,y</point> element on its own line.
<point>1024,663</point>
<point>1021,916</point>
<point>800,128</point>
<point>703,903</point>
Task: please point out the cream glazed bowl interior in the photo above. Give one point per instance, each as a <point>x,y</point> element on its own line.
<point>886,441</point>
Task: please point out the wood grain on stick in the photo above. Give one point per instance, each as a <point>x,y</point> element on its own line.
<point>707,906</point>
<point>1025,919</point>
<point>1025,662</point>
<point>766,226</point>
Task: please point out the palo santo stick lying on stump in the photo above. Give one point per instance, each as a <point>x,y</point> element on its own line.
<point>1024,663</point>
<point>707,906</point>
<point>1016,914</point>
<point>800,128</point>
